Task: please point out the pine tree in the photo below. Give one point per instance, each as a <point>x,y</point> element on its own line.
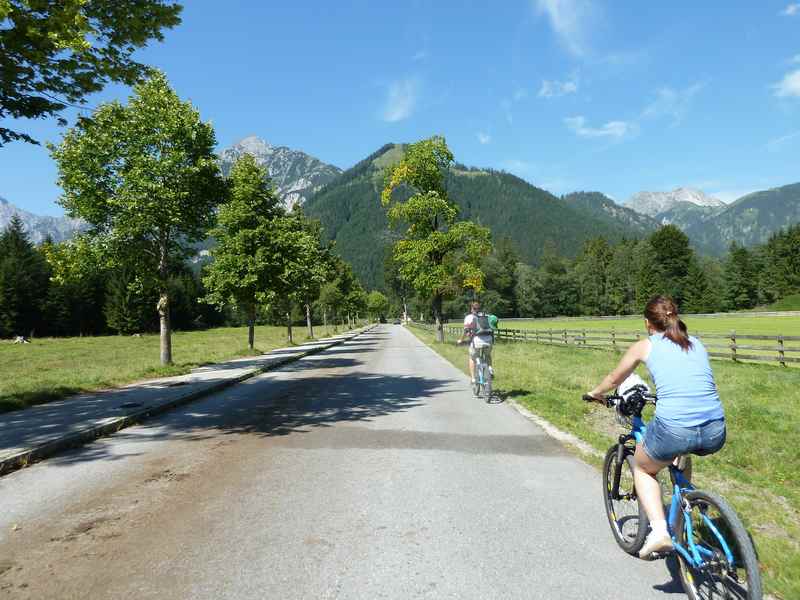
<point>24,279</point>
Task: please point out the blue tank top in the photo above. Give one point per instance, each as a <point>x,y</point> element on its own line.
<point>687,393</point>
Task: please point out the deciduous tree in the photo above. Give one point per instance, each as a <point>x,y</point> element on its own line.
<point>54,53</point>
<point>432,235</point>
<point>146,178</point>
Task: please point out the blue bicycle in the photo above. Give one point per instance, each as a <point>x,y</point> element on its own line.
<point>716,557</point>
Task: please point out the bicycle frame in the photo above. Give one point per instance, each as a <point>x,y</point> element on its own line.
<point>694,554</point>
<point>482,366</point>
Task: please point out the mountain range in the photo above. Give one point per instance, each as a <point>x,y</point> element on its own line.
<point>40,227</point>
<point>295,175</point>
<point>347,204</point>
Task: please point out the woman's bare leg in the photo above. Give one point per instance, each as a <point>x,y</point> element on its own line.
<point>647,487</point>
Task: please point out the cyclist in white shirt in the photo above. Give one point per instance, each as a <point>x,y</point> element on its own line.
<point>479,333</point>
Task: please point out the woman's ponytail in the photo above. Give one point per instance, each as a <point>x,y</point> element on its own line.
<point>663,316</point>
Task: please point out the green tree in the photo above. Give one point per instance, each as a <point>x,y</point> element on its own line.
<point>330,299</point>
<point>310,264</point>
<point>621,279</point>
<point>432,236</point>
<point>128,302</point>
<point>146,178</point>
<point>741,278</point>
<point>698,295</point>
<point>558,291</point>
<point>250,252</point>
<point>528,291</point>
<point>591,276</point>
<point>377,304</point>
<point>76,294</point>
<point>780,276</point>
<point>55,53</point>
<point>673,255</point>
<point>650,279</point>
<point>24,278</point>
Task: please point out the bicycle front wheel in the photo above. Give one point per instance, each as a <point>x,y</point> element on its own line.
<point>626,516</point>
<point>714,525</point>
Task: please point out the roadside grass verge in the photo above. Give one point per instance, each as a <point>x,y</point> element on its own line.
<point>51,368</point>
<point>756,471</point>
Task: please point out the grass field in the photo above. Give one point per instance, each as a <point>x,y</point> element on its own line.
<point>51,368</point>
<point>756,471</point>
<point>784,325</point>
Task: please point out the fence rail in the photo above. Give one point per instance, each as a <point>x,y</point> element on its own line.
<point>779,348</point>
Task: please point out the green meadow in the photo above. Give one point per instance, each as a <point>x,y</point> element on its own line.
<point>52,368</point>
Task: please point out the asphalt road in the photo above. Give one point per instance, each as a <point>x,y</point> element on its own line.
<point>366,471</point>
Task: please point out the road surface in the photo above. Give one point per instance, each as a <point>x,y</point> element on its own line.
<point>366,471</point>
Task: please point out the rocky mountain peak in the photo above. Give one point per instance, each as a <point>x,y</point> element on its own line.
<point>295,175</point>
<point>655,203</point>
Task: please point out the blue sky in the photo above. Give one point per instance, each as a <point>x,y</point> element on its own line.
<point>568,94</point>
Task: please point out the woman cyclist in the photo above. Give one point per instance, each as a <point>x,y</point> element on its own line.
<point>688,418</point>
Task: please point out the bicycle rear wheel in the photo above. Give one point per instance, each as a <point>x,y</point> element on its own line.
<point>718,577</point>
<point>626,516</point>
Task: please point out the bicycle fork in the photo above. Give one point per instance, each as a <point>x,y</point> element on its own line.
<point>622,452</point>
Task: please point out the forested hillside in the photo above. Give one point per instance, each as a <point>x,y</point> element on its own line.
<point>749,221</point>
<point>350,211</point>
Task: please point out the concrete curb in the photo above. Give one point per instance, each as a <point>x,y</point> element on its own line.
<point>554,432</point>
<point>77,438</point>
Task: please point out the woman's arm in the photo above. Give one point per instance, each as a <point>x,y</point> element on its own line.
<point>636,354</point>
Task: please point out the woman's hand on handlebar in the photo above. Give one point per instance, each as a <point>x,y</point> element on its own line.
<point>591,397</point>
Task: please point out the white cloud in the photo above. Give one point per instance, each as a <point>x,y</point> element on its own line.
<point>777,143</point>
<point>556,89</point>
<point>612,129</point>
<point>401,100</point>
<point>791,10</point>
<point>789,85</point>
<point>568,18</point>
<point>673,103</point>
<point>484,138</point>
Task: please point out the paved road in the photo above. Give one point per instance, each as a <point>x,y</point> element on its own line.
<point>366,471</point>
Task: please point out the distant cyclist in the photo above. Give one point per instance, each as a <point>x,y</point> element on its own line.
<point>689,417</point>
<point>479,332</point>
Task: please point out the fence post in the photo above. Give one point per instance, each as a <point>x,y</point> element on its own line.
<point>551,335</point>
<point>565,337</point>
<point>614,338</point>
<point>584,337</point>
<point>537,336</point>
<point>733,345</point>
<point>781,353</point>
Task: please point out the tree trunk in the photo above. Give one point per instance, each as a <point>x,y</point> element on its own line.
<point>325,319</point>
<point>308,322</point>
<point>289,326</point>
<point>251,328</point>
<point>165,328</point>
<point>437,315</point>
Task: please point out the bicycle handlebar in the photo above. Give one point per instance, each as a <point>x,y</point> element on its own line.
<point>614,400</point>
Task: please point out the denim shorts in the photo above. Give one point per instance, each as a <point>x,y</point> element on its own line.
<point>663,442</point>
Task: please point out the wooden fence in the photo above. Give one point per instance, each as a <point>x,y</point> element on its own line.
<point>783,349</point>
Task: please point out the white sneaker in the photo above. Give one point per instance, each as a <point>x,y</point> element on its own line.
<point>655,543</point>
<point>491,371</point>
